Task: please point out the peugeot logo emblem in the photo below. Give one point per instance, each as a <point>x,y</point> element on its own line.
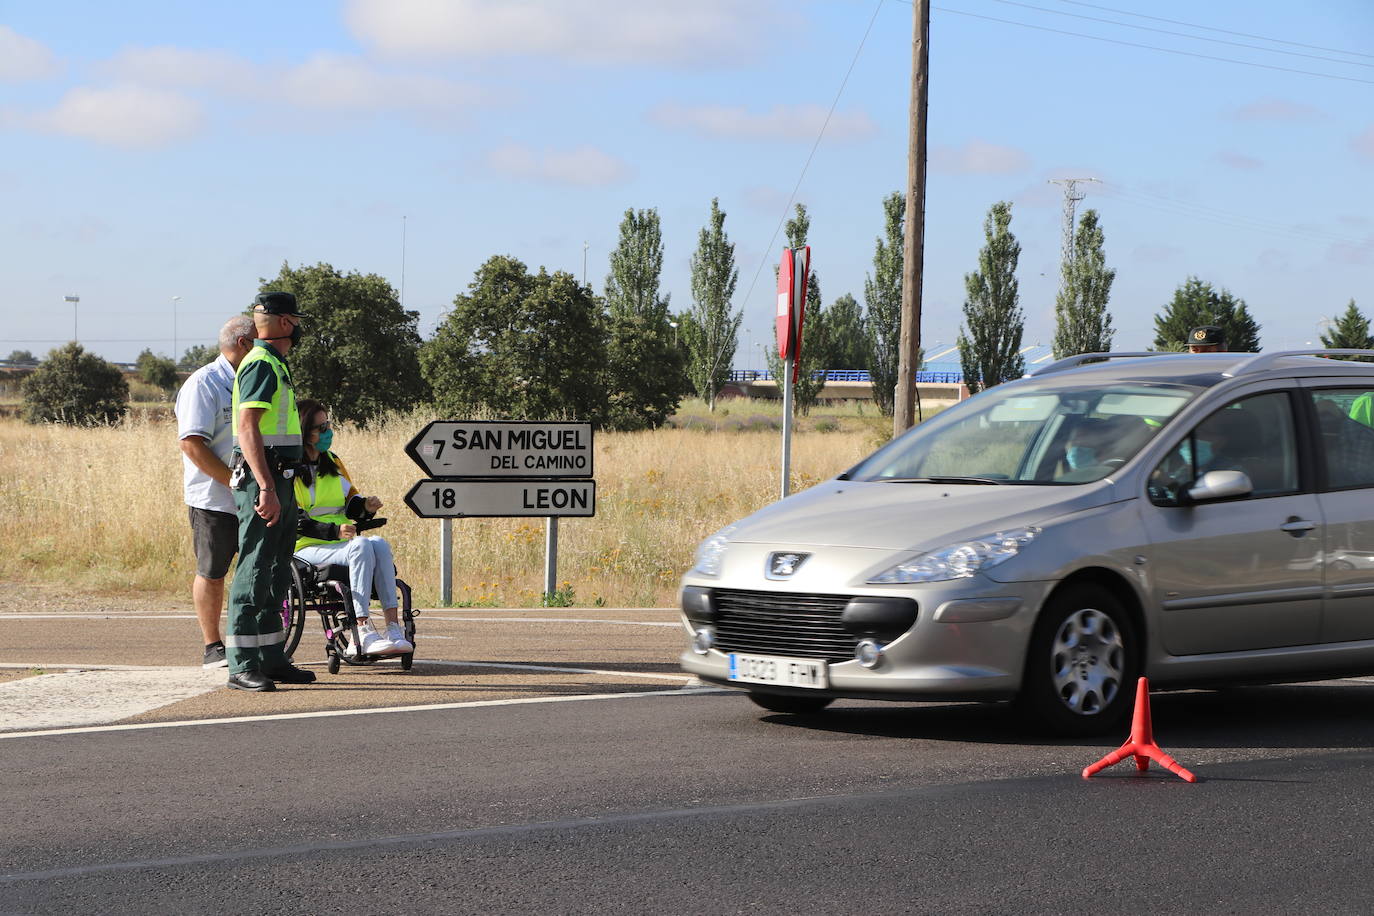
<point>782,565</point>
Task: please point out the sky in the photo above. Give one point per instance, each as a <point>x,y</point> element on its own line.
<point>160,157</point>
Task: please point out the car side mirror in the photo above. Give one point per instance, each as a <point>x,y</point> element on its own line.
<point>1215,485</point>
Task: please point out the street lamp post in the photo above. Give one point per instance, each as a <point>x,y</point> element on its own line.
<point>175,300</point>
<point>673,325</point>
<point>74,300</point>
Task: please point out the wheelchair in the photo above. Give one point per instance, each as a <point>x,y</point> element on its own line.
<point>325,590</point>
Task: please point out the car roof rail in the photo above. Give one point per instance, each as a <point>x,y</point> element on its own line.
<point>1069,362</point>
<point>1258,362</point>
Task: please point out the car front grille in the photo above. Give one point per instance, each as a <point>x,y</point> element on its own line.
<point>782,623</point>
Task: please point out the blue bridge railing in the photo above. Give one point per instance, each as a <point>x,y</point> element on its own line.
<point>847,375</point>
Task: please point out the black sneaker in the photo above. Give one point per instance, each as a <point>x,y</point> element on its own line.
<point>214,656</point>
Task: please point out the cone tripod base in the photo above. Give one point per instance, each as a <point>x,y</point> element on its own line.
<point>1141,745</point>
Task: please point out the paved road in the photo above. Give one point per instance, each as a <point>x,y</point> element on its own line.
<point>655,798</point>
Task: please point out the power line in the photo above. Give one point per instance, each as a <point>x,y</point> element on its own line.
<point>1193,25</point>
<point>1146,28</point>
<point>1134,44</point>
<point>1177,207</point>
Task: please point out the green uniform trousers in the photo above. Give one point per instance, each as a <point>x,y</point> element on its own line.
<point>254,638</point>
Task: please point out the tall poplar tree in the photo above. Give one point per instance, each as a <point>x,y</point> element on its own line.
<point>710,330</point>
<point>815,341</point>
<point>636,264</point>
<point>1196,303</point>
<point>844,325</point>
<point>883,299</point>
<point>1082,322</point>
<point>990,342</point>
<point>1350,332</point>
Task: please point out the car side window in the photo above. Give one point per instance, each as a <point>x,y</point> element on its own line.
<point>1345,417</point>
<point>1253,435</point>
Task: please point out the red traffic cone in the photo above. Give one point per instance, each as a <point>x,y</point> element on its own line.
<point>1141,744</point>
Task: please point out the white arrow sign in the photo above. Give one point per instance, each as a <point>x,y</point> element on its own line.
<point>502,498</point>
<point>475,448</point>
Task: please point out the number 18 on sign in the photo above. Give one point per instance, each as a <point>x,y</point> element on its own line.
<point>502,498</point>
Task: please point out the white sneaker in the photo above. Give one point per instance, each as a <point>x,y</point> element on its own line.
<point>397,637</point>
<point>370,642</point>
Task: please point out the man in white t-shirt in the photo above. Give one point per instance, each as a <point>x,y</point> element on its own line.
<point>203,412</point>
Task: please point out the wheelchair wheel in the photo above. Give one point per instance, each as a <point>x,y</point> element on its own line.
<point>407,660</point>
<point>333,664</point>
<point>293,612</point>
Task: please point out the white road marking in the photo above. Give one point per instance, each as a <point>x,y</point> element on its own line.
<point>276,717</point>
<point>557,669</point>
<point>74,698</point>
<point>428,616</point>
<point>111,616</point>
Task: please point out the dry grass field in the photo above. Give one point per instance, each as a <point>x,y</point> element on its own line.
<point>100,510</point>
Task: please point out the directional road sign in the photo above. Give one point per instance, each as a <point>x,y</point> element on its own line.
<point>474,448</point>
<point>502,498</point>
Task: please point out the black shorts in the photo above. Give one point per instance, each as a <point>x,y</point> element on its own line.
<point>215,536</point>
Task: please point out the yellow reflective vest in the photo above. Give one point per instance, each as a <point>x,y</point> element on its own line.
<point>324,500</point>
<point>279,424</point>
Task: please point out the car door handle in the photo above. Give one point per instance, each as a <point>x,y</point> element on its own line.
<point>1297,526</point>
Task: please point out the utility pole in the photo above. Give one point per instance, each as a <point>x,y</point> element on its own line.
<point>913,247</point>
<point>1072,195</point>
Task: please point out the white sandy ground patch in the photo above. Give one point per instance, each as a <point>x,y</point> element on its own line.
<point>94,697</point>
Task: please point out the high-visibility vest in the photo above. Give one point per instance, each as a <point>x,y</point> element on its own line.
<point>323,500</point>
<point>279,424</point>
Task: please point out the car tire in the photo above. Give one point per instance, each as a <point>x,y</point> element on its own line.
<point>797,705</point>
<point>1082,664</point>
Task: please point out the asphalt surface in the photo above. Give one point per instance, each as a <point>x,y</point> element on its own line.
<point>592,794</point>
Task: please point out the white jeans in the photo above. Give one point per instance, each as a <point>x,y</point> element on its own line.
<point>370,566</point>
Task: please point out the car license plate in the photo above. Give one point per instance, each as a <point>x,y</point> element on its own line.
<point>784,672</point>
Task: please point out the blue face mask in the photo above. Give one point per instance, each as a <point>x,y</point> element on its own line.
<point>326,440</point>
<point>1080,456</point>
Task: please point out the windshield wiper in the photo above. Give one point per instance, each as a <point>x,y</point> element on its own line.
<point>977,480</point>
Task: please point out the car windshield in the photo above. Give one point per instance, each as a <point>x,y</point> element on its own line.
<point>1030,434</point>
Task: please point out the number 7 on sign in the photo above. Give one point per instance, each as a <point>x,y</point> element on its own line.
<point>438,448</point>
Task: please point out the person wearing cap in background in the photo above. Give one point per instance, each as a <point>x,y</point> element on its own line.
<point>204,412</point>
<point>267,451</point>
<point>1207,339</point>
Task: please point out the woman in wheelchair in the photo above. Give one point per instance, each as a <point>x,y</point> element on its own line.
<point>327,532</point>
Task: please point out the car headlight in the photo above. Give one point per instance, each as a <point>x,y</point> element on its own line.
<point>711,552</point>
<point>958,561</point>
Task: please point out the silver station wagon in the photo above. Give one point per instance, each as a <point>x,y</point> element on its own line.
<point>1199,519</point>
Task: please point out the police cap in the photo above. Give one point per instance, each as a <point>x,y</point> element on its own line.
<point>1208,335</point>
<point>278,303</point>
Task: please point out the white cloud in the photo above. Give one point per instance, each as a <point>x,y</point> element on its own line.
<point>1239,160</point>
<point>1156,254</point>
<point>781,122</point>
<point>327,82</point>
<point>1276,110</point>
<point>24,58</point>
<point>129,116</point>
<point>1358,254</point>
<point>592,31</point>
<point>1363,144</point>
<point>978,157</point>
<point>338,82</point>
<point>583,165</point>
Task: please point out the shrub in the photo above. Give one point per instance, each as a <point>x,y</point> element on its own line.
<point>158,371</point>
<point>76,387</point>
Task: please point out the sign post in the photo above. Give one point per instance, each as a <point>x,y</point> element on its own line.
<point>792,275</point>
<point>484,469</point>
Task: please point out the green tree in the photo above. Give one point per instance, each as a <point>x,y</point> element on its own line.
<point>75,387</point>
<point>197,356</point>
<point>990,341</point>
<point>883,300</point>
<point>1350,332</point>
<point>710,330</point>
<point>644,373</point>
<point>359,349</point>
<point>22,357</point>
<point>158,371</point>
<point>1082,322</point>
<point>520,346</point>
<point>636,265</point>
<point>646,377</point>
<point>1196,303</point>
<point>815,349</point>
<point>846,341</point>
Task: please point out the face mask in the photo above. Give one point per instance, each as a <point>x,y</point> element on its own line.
<point>326,440</point>
<point>1080,456</point>
<point>295,335</point>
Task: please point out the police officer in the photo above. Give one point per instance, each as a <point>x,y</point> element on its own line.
<point>1207,339</point>
<point>267,450</point>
